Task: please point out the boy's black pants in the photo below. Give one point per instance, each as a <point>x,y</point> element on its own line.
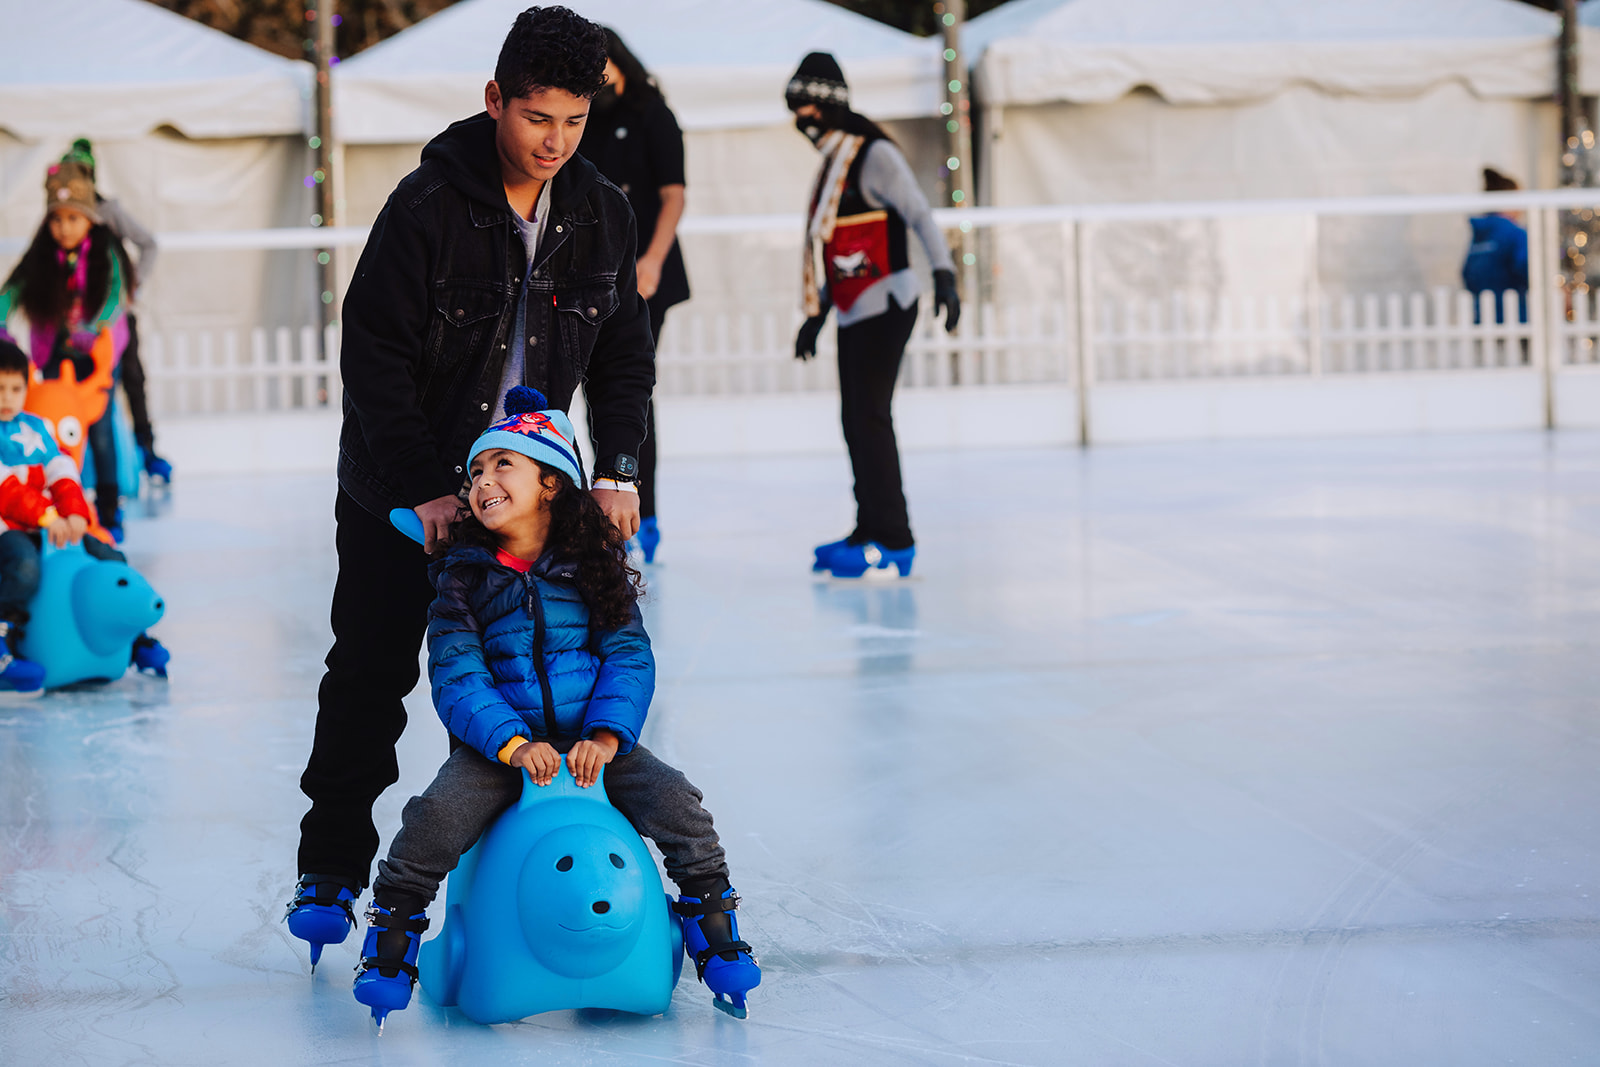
<point>380,614</point>
<point>870,352</point>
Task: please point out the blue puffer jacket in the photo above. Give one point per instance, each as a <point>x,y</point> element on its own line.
<point>512,654</point>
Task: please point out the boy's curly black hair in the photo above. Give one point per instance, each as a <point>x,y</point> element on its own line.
<point>579,533</point>
<point>551,48</point>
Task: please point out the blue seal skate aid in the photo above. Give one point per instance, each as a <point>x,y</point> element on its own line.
<point>405,520</point>
<point>86,616</point>
<point>558,906</point>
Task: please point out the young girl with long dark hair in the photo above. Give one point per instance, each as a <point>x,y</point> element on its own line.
<point>73,282</point>
<point>536,649</point>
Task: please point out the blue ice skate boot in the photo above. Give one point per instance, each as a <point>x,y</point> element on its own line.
<point>114,528</point>
<point>726,965</point>
<point>826,553</point>
<point>871,558</point>
<point>18,674</point>
<point>157,468</point>
<point>322,913</point>
<point>388,968</point>
<point>150,655</point>
<point>649,536</point>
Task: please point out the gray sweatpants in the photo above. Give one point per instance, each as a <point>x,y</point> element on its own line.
<point>470,792</point>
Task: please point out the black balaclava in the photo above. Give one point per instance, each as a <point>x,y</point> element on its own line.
<point>819,80</point>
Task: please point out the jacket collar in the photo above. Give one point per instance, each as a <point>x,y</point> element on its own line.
<point>547,566</point>
<point>466,150</point>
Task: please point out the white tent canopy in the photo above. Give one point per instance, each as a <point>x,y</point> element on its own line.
<point>722,63</point>
<point>1091,51</point>
<point>121,68</point>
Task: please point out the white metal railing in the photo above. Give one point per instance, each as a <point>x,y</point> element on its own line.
<point>1074,335</point>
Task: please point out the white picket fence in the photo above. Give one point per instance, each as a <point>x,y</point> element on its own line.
<point>711,351</point>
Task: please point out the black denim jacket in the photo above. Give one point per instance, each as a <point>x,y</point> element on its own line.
<point>430,310</point>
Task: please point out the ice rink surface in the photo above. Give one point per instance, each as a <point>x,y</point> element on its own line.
<point>1279,753</point>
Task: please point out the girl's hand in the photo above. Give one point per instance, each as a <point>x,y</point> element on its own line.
<point>79,526</point>
<point>60,533</point>
<point>539,759</point>
<point>590,754</point>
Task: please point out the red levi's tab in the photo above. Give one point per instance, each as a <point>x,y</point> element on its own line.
<point>856,256</point>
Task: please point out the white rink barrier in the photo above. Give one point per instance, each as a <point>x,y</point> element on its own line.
<point>1168,365</point>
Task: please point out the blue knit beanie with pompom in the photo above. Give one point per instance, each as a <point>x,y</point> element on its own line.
<point>543,435</point>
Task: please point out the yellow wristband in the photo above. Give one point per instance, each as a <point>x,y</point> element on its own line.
<point>615,486</point>
<point>504,755</point>
<point>50,517</point>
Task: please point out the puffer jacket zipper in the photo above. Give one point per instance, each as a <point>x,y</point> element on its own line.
<point>536,609</point>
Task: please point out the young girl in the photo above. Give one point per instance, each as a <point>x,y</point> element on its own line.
<point>536,649</point>
<point>73,281</point>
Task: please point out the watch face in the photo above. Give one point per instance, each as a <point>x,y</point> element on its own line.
<point>626,466</point>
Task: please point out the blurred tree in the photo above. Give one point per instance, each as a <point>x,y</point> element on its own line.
<point>280,25</point>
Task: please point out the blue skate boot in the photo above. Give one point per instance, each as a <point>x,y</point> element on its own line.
<point>825,553</point>
<point>157,468</point>
<point>871,558</point>
<point>152,656</point>
<point>18,674</point>
<point>388,968</point>
<point>649,536</point>
<point>322,913</point>
<point>727,966</point>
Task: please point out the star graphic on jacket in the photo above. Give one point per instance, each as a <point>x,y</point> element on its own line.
<point>29,438</point>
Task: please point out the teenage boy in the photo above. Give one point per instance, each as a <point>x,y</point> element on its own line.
<point>503,260</point>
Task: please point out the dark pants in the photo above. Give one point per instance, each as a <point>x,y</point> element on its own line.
<point>380,613</point>
<point>470,792</point>
<point>647,449</point>
<point>133,387</point>
<point>103,444</point>
<point>869,362</point>
<point>19,574</point>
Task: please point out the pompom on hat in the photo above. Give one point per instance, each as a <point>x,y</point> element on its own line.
<point>544,435</point>
<point>70,184</point>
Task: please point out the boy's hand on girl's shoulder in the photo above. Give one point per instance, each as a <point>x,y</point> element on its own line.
<point>539,759</point>
<point>590,754</point>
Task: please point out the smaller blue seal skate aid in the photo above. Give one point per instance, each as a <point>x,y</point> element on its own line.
<point>405,520</point>
<point>557,906</point>
<point>321,913</point>
<point>86,617</point>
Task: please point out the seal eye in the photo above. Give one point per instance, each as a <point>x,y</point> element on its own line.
<point>122,582</point>
<point>70,431</point>
<point>616,861</point>
<point>564,863</point>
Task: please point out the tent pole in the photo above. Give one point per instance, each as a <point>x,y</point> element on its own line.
<point>957,112</point>
<point>324,54</point>
<point>1572,118</point>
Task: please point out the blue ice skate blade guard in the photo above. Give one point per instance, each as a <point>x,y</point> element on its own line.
<point>86,615</point>
<point>558,906</point>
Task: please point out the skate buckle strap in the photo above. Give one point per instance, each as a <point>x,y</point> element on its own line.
<point>703,957</point>
<point>313,894</point>
<point>697,908</point>
<point>394,922</point>
<point>369,962</point>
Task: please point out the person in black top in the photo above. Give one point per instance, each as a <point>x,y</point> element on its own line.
<point>634,140</point>
<point>503,260</point>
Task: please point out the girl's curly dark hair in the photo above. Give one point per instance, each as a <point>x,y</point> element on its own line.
<point>551,48</point>
<point>41,280</point>
<point>579,533</point>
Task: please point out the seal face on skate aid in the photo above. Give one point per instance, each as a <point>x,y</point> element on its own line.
<point>87,616</point>
<point>557,906</point>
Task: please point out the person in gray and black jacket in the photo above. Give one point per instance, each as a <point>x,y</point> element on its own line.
<point>857,263</point>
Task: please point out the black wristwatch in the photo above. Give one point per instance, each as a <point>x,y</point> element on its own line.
<point>620,467</point>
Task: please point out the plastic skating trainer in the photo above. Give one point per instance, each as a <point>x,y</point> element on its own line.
<point>558,906</point>
<point>870,560</point>
<point>728,968</point>
<point>322,913</point>
<point>86,616</point>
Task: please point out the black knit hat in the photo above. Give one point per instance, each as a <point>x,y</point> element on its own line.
<point>818,81</point>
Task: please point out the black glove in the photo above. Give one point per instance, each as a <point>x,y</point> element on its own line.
<point>805,342</point>
<point>944,297</point>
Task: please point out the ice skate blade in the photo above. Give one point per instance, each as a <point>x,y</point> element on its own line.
<point>377,1019</point>
<point>728,1007</point>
